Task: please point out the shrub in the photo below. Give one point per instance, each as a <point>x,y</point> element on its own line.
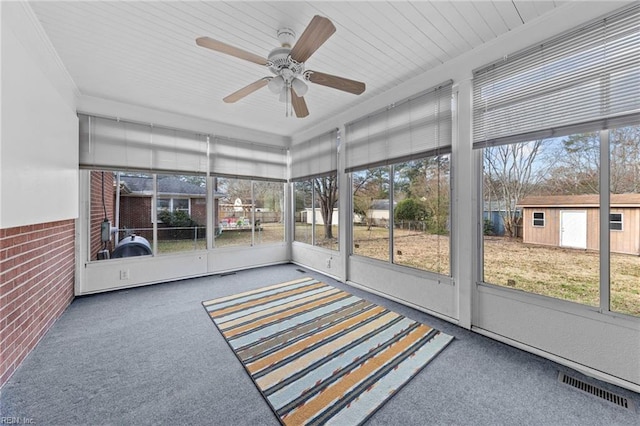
<point>179,219</point>
<point>409,209</point>
<point>488,227</point>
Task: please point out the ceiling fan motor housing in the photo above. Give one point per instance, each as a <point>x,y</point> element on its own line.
<point>279,60</point>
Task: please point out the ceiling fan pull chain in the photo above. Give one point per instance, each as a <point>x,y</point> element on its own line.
<point>288,103</point>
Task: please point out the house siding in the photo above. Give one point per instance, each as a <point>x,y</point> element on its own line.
<point>37,272</point>
<point>626,241</point>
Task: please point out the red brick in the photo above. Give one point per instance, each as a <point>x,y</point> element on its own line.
<point>38,270</point>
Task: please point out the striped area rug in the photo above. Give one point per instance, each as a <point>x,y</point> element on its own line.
<point>320,355</point>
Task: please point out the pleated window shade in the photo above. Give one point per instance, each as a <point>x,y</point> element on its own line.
<point>570,83</point>
<point>244,159</point>
<point>120,145</point>
<point>315,157</point>
<point>406,130</point>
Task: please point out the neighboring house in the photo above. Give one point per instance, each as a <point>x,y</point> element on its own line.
<point>378,212</point>
<point>573,221</point>
<point>307,215</point>
<point>174,194</point>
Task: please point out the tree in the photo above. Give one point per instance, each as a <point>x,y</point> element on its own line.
<point>326,189</point>
<point>369,185</point>
<point>577,169</point>
<point>269,195</point>
<point>512,173</point>
<point>578,166</point>
<point>625,160</point>
<point>426,180</point>
<point>200,181</point>
<point>234,188</point>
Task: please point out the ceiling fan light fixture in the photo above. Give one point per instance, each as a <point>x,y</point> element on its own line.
<point>300,87</point>
<point>276,84</point>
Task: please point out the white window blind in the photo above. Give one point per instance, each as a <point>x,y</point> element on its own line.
<point>239,158</point>
<point>120,145</point>
<point>569,83</point>
<point>407,129</point>
<point>314,157</point>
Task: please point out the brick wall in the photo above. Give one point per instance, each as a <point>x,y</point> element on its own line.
<point>37,267</point>
<point>135,215</point>
<point>97,209</point>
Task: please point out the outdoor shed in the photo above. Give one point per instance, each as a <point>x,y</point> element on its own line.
<point>573,221</point>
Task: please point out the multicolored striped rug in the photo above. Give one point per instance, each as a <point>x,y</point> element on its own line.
<point>319,354</point>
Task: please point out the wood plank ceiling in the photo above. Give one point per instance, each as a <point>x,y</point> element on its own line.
<point>144,53</point>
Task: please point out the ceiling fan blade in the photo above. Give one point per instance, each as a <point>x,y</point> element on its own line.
<point>299,105</point>
<point>340,83</point>
<point>316,33</point>
<point>247,90</point>
<point>221,47</point>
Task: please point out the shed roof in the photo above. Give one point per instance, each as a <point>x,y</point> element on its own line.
<point>584,200</point>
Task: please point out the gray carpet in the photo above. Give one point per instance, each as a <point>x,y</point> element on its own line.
<point>152,356</point>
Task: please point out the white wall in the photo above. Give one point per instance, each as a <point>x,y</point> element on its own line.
<point>39,127</point>
<point>136,271</point>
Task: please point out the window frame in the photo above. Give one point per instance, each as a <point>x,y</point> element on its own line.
<point>171,207</point>
<point>392,253</point>
<point>534,218</point>
<point>616,222</point>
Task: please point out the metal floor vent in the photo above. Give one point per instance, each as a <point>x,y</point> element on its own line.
<point>301,270</point>
<point>226,274</point>
<point>590,389</point>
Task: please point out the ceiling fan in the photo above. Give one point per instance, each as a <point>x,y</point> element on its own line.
<point>288,66</point>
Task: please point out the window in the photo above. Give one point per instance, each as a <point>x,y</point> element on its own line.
<point>316,211</point>
<point>181,224</point>
<point>268,218</point>
<point>371,213</point>
<point>538,218</point>
<point>234,212</point>
<point>615,221</point>
<point>181,213</point>
<point>174,205</point>
<point>124,200</point>
<point>248,212</point>
<point>624,238</point>
<point>410,226</point>
<point>303,216</point>
<point>421,214</point>
<point>554,251</point>
<point>325,226</point>
<point>541,116</point>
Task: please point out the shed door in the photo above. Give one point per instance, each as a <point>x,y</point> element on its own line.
<point>573,229</point>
